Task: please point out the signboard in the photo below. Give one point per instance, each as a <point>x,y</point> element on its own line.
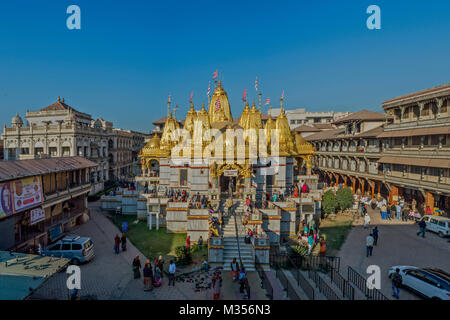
<point>6,205</point>
<point>230,173</point>
<point>26,193</point>
<point>37,215</point>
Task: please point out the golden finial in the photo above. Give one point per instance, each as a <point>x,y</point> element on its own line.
<point>253,104</point>
<point>259,97</point>
<point>62,100</point>
<point>220,83</point>
<point>270,110</point>
<point>59,99</point>
<point>281,103</point>
<point>203,107</point>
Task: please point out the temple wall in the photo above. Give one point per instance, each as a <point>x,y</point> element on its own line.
<point>198,178</point>
<point>176,216</point>
<point>271,224</point>
<point>215,251</point>
<point>197,224</point>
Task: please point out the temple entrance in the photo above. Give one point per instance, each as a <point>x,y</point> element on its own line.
<point>225,182</point>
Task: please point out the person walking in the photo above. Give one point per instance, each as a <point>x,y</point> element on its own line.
<point>188,242</point>
<point>375,235</point>
<point>323,246</point>
<point>366,220</point>
<point>422,227</point>
<point>383,211</point>
<point>172,270</point>
<point>405,213</point>
<point>234,269</point>
<point>369,245</point>
<point>396,283</point>
<point>388,213</point>
<point>148,276</point>
<point>137,267</point>
<point>310,242</point>
<point>123,240</point>
<point>398,209</point>
<point>116,244</point>
<point>216,284</point>
<point>200,243</point>
<point>160,264</point>
<point>393,209</point>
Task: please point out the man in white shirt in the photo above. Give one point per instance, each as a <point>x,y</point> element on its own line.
<point>366,220</point>
<point>172,270</point>
<point>369,245</point>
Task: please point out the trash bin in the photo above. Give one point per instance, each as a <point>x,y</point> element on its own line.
<point>124,226</point>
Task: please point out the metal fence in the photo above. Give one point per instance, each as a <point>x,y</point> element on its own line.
<point>361,283</point>
<point>344,286</point>
<point>323,287</point>
<point>325,263</point>
<point>265,282</point>
<point>301,281</point>
<point>290,291</point>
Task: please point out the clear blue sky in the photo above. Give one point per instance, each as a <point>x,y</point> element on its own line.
<point>130,54</point>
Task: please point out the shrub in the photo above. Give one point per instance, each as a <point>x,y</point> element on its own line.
<point>183,256</point>
<point>329,202</point>
<point>344,198</point>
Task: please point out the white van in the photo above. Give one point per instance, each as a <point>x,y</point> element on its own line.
<point>437,224</point>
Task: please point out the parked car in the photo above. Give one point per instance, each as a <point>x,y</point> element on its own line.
<point>437,224</point>
<point>75,248</point>
<point>429,283</point>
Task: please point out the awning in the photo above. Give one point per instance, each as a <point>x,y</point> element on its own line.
<point>416,161</point>
<point>415,132</point>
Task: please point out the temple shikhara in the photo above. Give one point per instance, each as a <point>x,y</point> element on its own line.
<point>191,168</point>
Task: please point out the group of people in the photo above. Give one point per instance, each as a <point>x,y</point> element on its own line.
<point>120,242</point>
<point>397,210</point>
<point>153,273</point>
<point>198,201</point>
<point>238,274</point>
<point>309,233</point>
<point>178,195</point>
<point>300,188</point>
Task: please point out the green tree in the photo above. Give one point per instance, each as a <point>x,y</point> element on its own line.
<point>329,202</point>
<point>344,198</point>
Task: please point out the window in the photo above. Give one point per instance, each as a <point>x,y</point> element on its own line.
<point>434,140</point>
<point>76,246</point>
<point>38,151</point>
<point>292,121</point>
<point>53,151</point>
<point>183,177</point>
<point>25,151</point>
<point>56,247</point>
<point>66,151</point>
<point>416,141</point>
<point>65,246</point>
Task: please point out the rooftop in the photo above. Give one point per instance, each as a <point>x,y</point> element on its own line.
<point>10,170</point>
<point>365,115</point>
<point>305,128</point>
<point>437,89</point>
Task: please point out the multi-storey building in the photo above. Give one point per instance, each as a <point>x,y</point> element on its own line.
<point>62,131</point>
<point>402,153</point>
<point>300,116</point>
<point>41,199</point>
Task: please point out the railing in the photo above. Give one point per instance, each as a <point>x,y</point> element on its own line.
<point>347,290</point>
<point>323,287</point>
<point>324,263</point>
<point>290,291</point>
<point>361,283</point>
<point>301,281</point>
<point>265,282</point>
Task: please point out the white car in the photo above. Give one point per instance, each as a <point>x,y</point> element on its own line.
<point>429,283</point>
<point>437,224</point>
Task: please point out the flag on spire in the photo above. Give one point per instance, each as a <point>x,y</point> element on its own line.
<point>282,95</point>
<point>267,101</point>
<point>192,94</point>
<point>169,97</point>
<point>215,75</point>
<point>218,105</point>
<point>209,88</point>
<point>256,84</point>
<point>244,95</point>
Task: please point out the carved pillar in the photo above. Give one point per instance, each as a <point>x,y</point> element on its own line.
<point>439,103</point>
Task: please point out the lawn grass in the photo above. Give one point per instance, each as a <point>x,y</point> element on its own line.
<point>336,233</point>
<point>153,243</point>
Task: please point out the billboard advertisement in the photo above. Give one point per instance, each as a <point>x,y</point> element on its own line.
<point>26,193</point>
<point>37,215</point>
<point>6,205</point>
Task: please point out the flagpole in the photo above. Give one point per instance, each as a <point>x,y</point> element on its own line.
<point>260,108</point>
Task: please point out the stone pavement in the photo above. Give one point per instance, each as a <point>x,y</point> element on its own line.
<point>109,276</point>
<point>398,244</point>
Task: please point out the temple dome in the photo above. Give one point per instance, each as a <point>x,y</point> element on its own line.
<point>17,120</point>
<point>219,107</point>
<point>190,118</point>
<point>286,143</point>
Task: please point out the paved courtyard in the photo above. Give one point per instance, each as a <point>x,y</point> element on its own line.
<point>109,276</point>
<point>398,244</point>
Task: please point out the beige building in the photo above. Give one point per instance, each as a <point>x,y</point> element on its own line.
<point>404,152</point>
<point>59,130</point>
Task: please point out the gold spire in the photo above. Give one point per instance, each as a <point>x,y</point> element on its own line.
<point>219,106</point>
<point>286,143</point>
<point>190,118</point>
<point>243,120</point>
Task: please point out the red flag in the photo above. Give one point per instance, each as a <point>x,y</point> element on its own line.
<point>244,95</point>
<point>169,97</point>
<point>267,101</point>
<point>256,83</point>
<point>282,95</point>
<point>215,75</point>
<point>192,94</point>
<point>209,88</point>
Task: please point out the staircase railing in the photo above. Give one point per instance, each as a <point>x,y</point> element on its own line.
<point>233,210</point>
